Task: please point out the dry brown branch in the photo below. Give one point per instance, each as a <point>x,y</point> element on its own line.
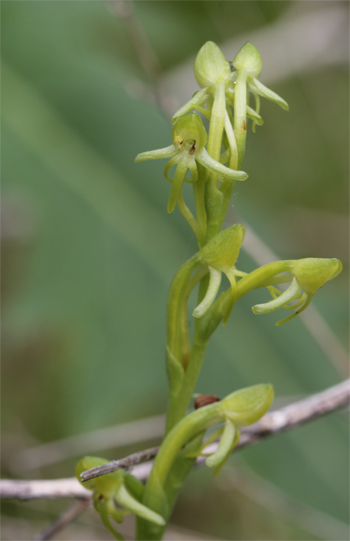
<point>53,488</point>
<point>273,423</point>
<point>63,520</point>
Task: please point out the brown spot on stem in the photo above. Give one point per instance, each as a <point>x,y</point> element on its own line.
<point>243,125</point>
<point>204,400</point>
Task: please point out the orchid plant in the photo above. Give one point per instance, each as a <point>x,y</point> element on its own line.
<point>214,162</point>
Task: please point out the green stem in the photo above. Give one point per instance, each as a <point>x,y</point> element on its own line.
<point>187,214</point>
<point>179,401</point>
<point>175,362</point>
<point>240,116</point>
<point>213,198</point>
<point>198,192</point>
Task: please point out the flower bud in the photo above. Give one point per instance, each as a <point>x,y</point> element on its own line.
<point>248,59</point>
<point>210,66</point>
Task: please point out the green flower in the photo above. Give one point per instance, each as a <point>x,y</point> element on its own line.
<point>307,276</point>
<point>220,254</point>
<point>248,66</point>
<point>120,487</point>
<point>188,148</point>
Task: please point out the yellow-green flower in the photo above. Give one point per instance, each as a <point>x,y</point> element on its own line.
<point>307,276</point>
<point>120,487</point>
<point>188,148</point>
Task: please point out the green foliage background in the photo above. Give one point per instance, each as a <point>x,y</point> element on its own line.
<point>89,250</point>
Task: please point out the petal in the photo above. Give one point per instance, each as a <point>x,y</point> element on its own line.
<point>197,99</point>
<point>177,185</point>
<point>305,305</point>
<point>253,115</point>
<point>257,86</point>
<point>167,152</point>
<point>290,294</point>
<point>169,165</point>
<point>213,288</point>
<point>225,446</point>
<point>215,167</point>
<point>129,502</point>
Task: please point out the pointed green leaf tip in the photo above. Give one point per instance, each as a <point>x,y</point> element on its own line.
<point>247,406</point>
<point>249,60</point>
<point>313,273</point>
<point>210,66</point>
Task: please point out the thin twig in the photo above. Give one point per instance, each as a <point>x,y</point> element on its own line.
<point>51,489</point>
<point>63,520</point>
<point>273,423</point>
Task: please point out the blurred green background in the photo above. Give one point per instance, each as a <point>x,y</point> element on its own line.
<point>88,249</point>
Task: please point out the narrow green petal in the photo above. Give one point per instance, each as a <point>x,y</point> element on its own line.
<point>194,172</point>
<point>225,445</point>
<point>169,165</point>
<point>167,152</point>
<point>106,522</point>
<point>290,294</point>
<point>213,288</point>
<point>253,115</point>
<point>292,316</point>
<point>215,167</point>
<point>176,185</point>
<point>197,99</point>
<point>129,502</point>
<point>257,86</point>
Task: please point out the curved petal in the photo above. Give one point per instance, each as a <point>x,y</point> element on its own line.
<point>167,152</point>
<point>169,165</point>
<point>253,115</point>
<point>193,168</point>
<point>177,185</point>
<point>227,441</point>
<point>106,522</point>
<point>213,288</point>
<point>256,86</point>
<point>293,292</point>
<point>292,316</point>
<point>129,502</point>
<point>215,167</point>
<point>198,99</point>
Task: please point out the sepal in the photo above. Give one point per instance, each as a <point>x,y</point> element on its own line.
<point>210,66</point>
<point>248,59</point>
